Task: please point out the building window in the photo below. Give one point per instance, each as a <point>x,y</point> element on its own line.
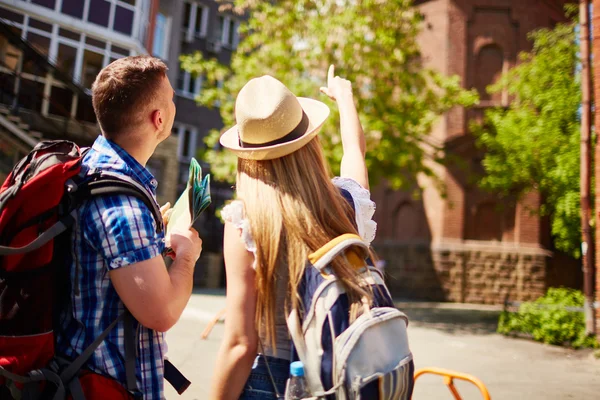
<point>188,137</point>
<point>188,85</point>
<point>45,3</point>
<point>195,20</point>
<point>119,50</point>
<point>117,15</point>
<point>228,31</point>
<point>92,64</point>
<point>60,101</point>
<point>123,20</point>
<point>81,59</point>
<point>74,8</point>
<point>160,45</point>
<point>489,66</point>
<point>99,12</point>
<point>11,15</point>
<point>66,58</point>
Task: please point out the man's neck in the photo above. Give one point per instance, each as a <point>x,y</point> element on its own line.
<point>141,150</point>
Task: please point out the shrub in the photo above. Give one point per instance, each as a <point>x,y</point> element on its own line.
<point>549,319</point>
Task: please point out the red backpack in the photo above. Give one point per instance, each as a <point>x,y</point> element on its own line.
<point>38,208</point>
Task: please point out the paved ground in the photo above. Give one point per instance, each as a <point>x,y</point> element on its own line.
<point>448,337</point>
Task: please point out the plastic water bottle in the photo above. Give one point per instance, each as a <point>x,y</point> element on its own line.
<point>296,387</point>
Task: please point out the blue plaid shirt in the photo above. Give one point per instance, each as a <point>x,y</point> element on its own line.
<point>112,232</point>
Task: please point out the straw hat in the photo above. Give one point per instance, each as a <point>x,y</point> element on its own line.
<point>271,121</point>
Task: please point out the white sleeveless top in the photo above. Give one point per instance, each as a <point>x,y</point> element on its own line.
<point>364,210</point>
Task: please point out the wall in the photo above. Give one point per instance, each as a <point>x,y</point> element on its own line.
<point>482,273</point>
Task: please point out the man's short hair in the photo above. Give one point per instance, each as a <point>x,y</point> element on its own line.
<point>123,88</point>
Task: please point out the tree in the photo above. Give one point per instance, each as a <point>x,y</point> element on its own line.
<point>533,145</point>
<point>372,43</point>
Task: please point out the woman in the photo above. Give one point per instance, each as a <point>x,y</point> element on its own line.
<point>287,208</point>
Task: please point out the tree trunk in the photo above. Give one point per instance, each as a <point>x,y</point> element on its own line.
<point>596,69</point>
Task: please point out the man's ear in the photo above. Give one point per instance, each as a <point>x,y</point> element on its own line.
<point>157,119</point>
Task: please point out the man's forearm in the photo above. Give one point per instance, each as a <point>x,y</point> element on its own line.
<point>181,274</point>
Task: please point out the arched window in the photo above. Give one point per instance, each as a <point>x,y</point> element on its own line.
<point>486,222</point>
<point>488,68</point>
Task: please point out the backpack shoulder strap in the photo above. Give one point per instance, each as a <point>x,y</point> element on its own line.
<point>107,183</point>
<point>323,257</point>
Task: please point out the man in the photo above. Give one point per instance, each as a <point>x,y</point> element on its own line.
<point>117,251</point>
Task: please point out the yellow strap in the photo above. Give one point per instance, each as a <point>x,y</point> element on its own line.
<point>352,256</point>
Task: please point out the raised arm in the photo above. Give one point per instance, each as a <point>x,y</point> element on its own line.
<point>353,139</point>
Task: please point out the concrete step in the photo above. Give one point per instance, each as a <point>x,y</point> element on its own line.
<point>36,135</point>
<point>14,118</point>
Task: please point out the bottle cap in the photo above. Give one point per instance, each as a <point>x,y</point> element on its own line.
<point>297,368</point>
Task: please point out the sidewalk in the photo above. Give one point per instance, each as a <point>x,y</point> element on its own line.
<point>452,336</point>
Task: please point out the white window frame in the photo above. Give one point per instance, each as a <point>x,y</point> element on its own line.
<point>165,39</point>
<point>226,41</point>
<point>187,77</point>
<point>191,31</point>
<point>133,42</point>
<point>55,40</point>
<point>181,128</point>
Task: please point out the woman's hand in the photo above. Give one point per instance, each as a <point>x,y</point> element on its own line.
<point>337,88</point>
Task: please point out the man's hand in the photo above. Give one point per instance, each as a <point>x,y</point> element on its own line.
<point>337,88</point>
<point>186,243</point>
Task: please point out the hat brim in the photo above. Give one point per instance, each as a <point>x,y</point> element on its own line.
<point>317,113</point>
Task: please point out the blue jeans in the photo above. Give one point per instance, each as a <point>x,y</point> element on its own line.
<point>259,384</point>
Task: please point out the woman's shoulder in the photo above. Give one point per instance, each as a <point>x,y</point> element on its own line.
<point>234,213</point>
<point>364,206</point>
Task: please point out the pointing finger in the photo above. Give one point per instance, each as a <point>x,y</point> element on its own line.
<point>330,74</point>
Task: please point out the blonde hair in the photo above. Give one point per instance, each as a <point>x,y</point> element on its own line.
<point>293,209</point>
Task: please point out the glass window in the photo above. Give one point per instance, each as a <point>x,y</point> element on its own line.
<point>123,20</point>
<point>60,101</point>
<point>10,15</point>
<point>198,24</point>
<point>85,110</point>
<point>130,2</point>
<point>187,15</point>
<point>119,50</point>
<point>96,43</point>
<point>191,85</point>
<point>42,26</point>
<point>31,94</point>
<point>99,12</point>
<point>65,61</point>
<point>187,141</point>
<point>41,43</point>
<point>232,32</point>
<point>69,34</point>
<point>181,80</point>
<point>92,64</point>
<point>74,8</point>
<point>160,32</point>
<point>221,29</point>
<point>45,3</point>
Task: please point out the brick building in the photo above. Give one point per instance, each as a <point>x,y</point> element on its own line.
<point>467,245</point>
